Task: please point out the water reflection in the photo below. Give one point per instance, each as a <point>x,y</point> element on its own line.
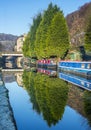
<point>51,73</point>
<point>18,77</point>
<point>60,104</point>
<point>10,77</point>
<point>48,95</point>
<point>12,62</point>
<point>87,106</point>
<point>76,80</point>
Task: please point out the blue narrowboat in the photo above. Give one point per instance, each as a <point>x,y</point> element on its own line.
<point>82,68</point>
<point>76,80</point>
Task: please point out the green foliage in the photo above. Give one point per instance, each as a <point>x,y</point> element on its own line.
<point>41,35</point>
<point>57,37</point>
<point>26,79</point>
<point>33,29</point>
<point>48,95</point>
<point>48,35</point>
<point>26,46</point>
<point>28,84</point>
<point>29,43</point>
<point>88,36</point>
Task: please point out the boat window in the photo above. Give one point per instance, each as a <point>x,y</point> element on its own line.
<point>89,66</point>
<point>63,64</point>
<point>83,66</point>
<point>82,83</point>
<point>88,85</point>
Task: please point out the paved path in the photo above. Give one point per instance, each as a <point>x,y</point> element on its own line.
<point>6,115</point>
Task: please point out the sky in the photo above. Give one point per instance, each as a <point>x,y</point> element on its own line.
<point>16,15</point>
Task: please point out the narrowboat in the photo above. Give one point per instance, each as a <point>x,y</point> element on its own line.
<point>76,80</point>
<point>47,63</point>
<point>82,68</point>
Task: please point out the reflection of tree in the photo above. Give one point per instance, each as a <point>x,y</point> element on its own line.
<point>0,46</point>
<point>87,105</point>
<point>28,83</point>
<point>48,95</point>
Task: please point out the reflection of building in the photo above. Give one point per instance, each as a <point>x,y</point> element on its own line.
<point>19,43</point>
<point>19,78</point>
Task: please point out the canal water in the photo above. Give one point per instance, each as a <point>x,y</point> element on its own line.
<point>40,99</point>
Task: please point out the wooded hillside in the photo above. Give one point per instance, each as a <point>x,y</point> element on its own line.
<point>77,22</point>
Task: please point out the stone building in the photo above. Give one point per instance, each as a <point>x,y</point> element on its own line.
<point>19,43</point>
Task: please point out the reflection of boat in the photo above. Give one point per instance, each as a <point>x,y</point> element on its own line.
<point>1,81</point>
<point>81,68</point>
<point>77,80</point>
<point>47,71</point>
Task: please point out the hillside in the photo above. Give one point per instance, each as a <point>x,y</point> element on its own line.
<point>7,42</point>
<point>77,22</point>
<point>7,37</point>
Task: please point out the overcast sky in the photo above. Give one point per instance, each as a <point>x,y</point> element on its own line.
<point>16,15</point>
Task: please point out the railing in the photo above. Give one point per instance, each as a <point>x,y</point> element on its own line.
<point>11,54</point>
<point>12,70</point>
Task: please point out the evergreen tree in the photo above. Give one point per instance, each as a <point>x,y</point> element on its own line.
<point>33,29</point>
<point>41,34</point>
<point>48,35</point>
<point>26,46</point>
<point>57,37</point>
<point>29,43</point>
<point>88,36</point>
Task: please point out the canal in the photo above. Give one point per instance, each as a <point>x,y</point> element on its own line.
<point>41,99</point>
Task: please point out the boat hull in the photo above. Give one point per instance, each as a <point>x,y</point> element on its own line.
<point>78,68</point>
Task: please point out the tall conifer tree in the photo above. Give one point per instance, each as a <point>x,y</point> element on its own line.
<point>33,29</point>
<point>41,34</point>
<point>26,46</point>
<point>57,36</point>
<point>29,43</point>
